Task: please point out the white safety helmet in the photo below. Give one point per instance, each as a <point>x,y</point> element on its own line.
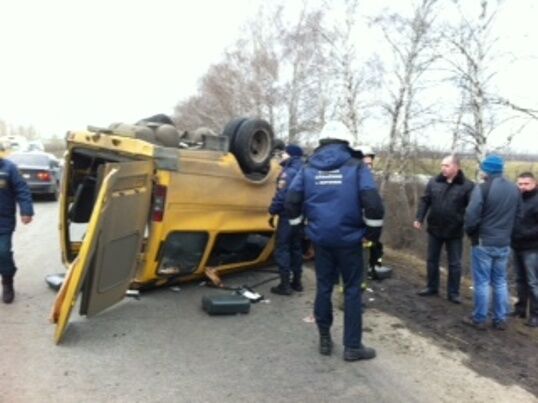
<point>336,130</point>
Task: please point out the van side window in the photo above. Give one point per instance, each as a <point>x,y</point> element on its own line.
<point>182,252</point>
<point>238,248</point>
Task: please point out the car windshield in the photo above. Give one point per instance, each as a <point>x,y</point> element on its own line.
<point>29,159</point>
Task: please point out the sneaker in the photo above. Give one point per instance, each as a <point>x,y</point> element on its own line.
<point>499,325</point>
<point>362,353</point>
<point>469,320</point>
<point>455,299</point>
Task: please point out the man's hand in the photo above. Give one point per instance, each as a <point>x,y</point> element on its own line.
<point>26,219</point>
<point>417,225</point>
<point>272,221</point>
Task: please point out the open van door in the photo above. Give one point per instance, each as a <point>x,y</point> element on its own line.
<point>107,260</point>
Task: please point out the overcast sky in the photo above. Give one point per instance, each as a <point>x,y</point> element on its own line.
<point>69,63</point>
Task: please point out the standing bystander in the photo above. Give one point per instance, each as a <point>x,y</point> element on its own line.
<point>489,221</point>
<point>525,246</point>
<point>444,201</point>
<point>13,189</point>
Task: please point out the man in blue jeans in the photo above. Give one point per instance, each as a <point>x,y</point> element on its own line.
<point>525,246</point>
<point>13,189</point>
<point>489,221</point>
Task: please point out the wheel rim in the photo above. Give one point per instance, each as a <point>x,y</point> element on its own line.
<point>259,146</point>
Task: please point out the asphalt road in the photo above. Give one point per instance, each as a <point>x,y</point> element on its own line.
<point>164,348</point>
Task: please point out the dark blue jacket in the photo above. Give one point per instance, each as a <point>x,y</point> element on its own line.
<point>339,197</point>
<point>13,189</point>
<point>290,167</point>
<point>493,218</point>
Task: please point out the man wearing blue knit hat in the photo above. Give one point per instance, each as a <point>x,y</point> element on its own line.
<point>489,220</point>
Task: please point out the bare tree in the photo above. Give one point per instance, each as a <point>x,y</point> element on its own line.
<point>244,83</point>
<point>304,78</point>
<point>472,65</point>
<point>352,76</point>
<point>413,43</point>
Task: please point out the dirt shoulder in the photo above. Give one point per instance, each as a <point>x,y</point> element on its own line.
<point>509,357</point>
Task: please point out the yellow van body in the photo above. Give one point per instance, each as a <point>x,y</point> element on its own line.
<point>154,216</point>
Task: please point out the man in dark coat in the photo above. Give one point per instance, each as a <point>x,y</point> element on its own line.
<point>444,202</point>
<point>339,198</point>
<point>525,246</point>
<point>288,250</point>
<point>13,189</point>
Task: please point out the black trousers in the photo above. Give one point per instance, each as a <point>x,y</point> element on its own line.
<point>454,249</point>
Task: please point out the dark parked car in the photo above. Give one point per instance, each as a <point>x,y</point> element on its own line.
<point>41,171</point>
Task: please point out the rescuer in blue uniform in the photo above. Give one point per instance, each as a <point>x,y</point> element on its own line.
<point>343,209</point>
<point>13,189</point>
<point>288,251</point>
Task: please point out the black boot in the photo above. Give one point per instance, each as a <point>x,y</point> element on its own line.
<point>296,284</point>
<point>284,287</point>
<point>362,353</point>
<point>8,293</point>
<point>325,342</point>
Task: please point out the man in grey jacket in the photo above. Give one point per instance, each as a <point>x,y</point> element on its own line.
<point>489,221</point>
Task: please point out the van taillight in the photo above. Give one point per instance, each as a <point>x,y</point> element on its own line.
<point>159,200</point>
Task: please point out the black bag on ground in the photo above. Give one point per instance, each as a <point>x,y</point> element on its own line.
<point>225,304</point>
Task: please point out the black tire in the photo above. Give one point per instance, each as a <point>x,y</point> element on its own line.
<point>231,129</point>
<point>167,135</point>
<point>159,119</point>
<point>253,145</point>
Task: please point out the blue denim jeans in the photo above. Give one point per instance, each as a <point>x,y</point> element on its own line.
<point>347,262</point>
<point>489,269</point>
<point>7,265</point>
<point>526,265</point>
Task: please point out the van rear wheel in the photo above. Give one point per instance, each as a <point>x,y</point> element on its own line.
<point>251,141</point>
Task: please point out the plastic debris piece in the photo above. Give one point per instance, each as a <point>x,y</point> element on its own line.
<point>369,290</point>
<point>309,319</point>
<point>133,294</point>
<point>371,299</point>
<point>175,288</point>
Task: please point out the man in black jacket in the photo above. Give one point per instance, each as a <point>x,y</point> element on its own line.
<point>525,246</point>
<point>444,201</point>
